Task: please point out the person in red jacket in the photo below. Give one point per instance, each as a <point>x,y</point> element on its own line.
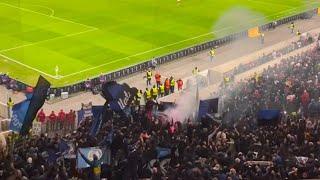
<point>52,121</point>
<point>70,119</point>
<point>41,117</point>
<point>157,76</point>
<point>61,119</point>
<point>180,84</point>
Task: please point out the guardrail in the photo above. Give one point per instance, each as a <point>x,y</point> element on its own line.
<point>78,87</point>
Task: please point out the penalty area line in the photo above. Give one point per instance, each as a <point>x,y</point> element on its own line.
<point>29,67</point>
<point>50,16</point>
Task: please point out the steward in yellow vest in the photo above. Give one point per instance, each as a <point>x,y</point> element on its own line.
<point>172,84</point>
<point>161,89</point>
<point>147,94</point>
<point>154,92</point>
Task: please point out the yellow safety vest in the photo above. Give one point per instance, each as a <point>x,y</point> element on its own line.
<point>195,71</point>
<point>149,74</point>
<point>172,82</point>
<point>212,53</point>
<point>226,79</point>
<point>161,89</point>
<point>139,96</point>
<point>10,104</point>
<point>148,94</point>
<point>154,91</point>
<point>291,26</point>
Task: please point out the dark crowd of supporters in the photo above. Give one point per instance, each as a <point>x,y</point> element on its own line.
<point>205,149</point>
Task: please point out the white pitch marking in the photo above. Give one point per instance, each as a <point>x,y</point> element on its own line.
<point>54,17</point>
<point>39,42</point>
<point>45,7</point>
<point>151,50</point>
<point>29,67</point>
<point>88,69</point>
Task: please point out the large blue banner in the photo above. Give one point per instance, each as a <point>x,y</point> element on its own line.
<point>19,112</point>
<point>103,154</point>
<point>208,106</point>
<point>119,96</point>
<point>97,112</point>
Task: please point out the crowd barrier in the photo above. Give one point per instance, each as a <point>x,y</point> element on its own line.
<point>78,87</point>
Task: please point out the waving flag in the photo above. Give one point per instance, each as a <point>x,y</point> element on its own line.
<point>25,112</point>
<point>97,112</point>
<point>103,154</point>
<point>208,106</point>
<point>19,112</point>
<point>119,96</point>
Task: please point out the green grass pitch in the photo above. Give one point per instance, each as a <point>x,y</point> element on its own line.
<point>86,38</point>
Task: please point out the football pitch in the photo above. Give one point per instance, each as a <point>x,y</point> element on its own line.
<point>86,38</point>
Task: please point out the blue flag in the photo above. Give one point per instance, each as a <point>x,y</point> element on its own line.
<point>119,96</point>
<point>97,112</point>
<point>36,102</point>
<point>19,112</point>
<point>208,106</point>
<point>103,154</point>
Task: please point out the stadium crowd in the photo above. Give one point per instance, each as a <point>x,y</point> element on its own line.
<point>146,146</point>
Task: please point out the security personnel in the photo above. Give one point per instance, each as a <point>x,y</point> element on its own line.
<point>149,76</point>
<point>157,76</point>
<point>167,86</point>
<point>212,54</point>
<point>154,92</point>
<point>292,27</point>
<point>195,71</point>
<point>10,104</point>
<point>226,80</point>
<point>180,84</point>
<point>262,38</point>
<point>138,97</point>
<point>161,89</point>
<point>172,84</point>
<point>298,33</point>
<point>147,94</point>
